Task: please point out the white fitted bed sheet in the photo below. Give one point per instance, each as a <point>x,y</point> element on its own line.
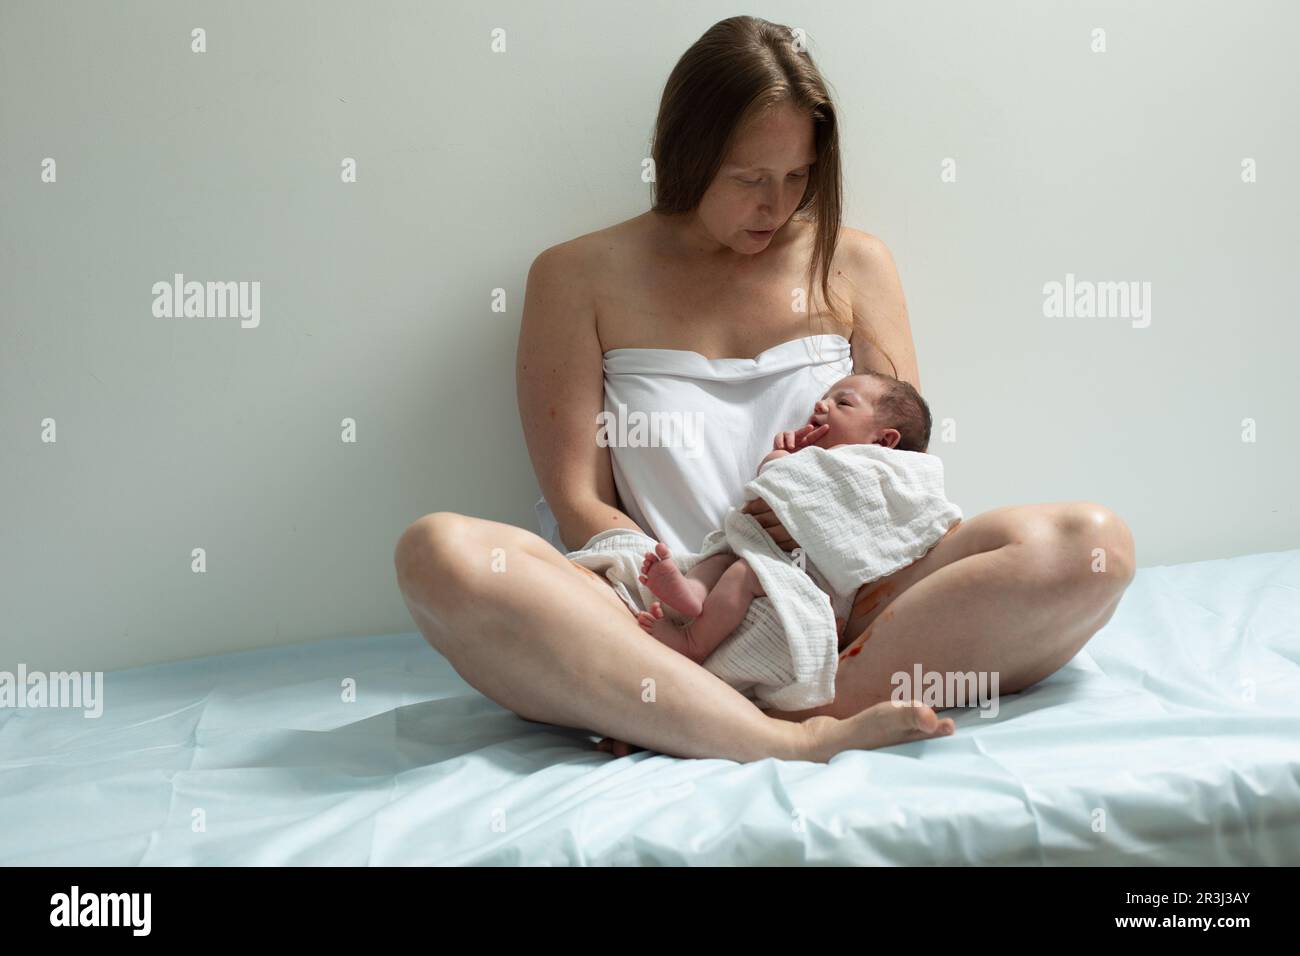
<point>1174,738</point>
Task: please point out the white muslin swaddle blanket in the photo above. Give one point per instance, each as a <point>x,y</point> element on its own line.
<point>858,513</point>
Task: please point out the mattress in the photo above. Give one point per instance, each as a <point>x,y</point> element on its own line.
<point>1172,738</point>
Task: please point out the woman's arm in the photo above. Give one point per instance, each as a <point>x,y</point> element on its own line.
<point>560,387</point>
<point>880,307</point>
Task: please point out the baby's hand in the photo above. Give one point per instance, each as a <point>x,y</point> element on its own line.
<point>792,441</point>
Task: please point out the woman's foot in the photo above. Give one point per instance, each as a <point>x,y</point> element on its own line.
<point>668,584</point>
<point>882,725</point>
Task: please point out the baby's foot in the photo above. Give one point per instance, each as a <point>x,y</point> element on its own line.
<point>657,626</point>
<point>661,575</point>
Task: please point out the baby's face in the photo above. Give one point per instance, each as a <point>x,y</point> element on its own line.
<point>848,408</point>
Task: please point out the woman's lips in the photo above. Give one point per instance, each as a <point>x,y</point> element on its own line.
<point>761,235</point>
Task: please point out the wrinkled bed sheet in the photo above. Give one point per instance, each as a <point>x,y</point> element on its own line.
<point>1174,738</point>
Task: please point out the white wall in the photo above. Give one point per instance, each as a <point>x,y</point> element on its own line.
<point>175,434</point>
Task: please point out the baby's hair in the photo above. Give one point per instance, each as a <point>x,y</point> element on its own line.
<point>901,406</point>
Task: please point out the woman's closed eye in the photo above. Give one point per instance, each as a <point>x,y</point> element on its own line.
<point>755,182</point>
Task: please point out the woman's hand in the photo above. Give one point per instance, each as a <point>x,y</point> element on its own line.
<point>764,515</point>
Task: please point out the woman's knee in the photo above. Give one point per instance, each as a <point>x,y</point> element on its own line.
<point>1082,546</point>
<point>433,550</point>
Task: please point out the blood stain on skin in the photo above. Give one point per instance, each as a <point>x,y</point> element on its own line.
<point>856,649</point>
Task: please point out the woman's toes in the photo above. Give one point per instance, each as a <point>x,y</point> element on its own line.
<point>882,725</point>
<point>927,723</point>
<point>923,718</point>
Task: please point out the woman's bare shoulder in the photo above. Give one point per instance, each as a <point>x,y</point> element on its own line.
<point>866,265</point>
<point>591,254</point>
<point>568,279</point>
<point>863,252</point>
<point>879,304</point>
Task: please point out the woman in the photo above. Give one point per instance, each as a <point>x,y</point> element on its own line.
<point>738,272</point>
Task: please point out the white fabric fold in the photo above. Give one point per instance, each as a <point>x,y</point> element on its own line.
<point>858,512</point>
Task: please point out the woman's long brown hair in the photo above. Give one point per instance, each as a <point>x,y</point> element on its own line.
<point>739,68</point>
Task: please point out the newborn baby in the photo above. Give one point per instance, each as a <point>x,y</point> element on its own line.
<point>709,602</point>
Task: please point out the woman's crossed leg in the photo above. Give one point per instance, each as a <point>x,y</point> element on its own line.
<point>1015,591</point>
<point>522,626</point>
